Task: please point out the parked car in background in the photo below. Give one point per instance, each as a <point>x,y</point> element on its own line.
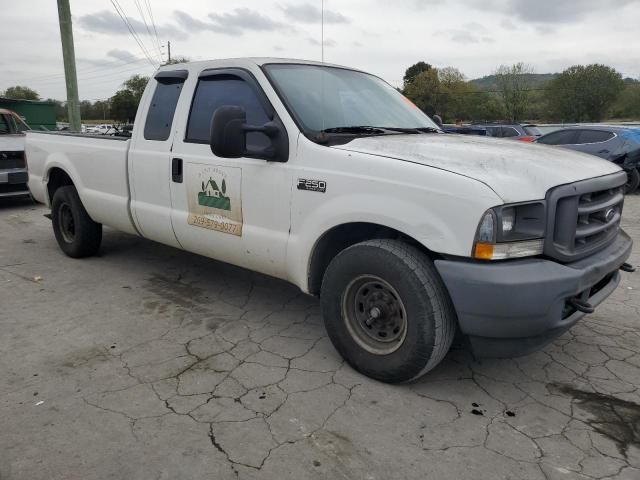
<point>465,130</point>
<point>514,131</point>
<point>620,145</point>
<point>13,171</point>
<point>124,131</point>
<point>102,129</point>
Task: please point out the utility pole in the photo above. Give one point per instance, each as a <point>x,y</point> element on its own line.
<point>169,51</point>
<point>69,57</point>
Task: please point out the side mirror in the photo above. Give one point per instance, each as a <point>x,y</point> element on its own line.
<point>228,136</point>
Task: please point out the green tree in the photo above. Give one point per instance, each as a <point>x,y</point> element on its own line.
<point>124,105</point>
<point>584,93</point>
<point>176,60</point>
<point>423,91</point>
<point>513,83</point>
<point>628,104</point>
<point>136,85</point>
<point>414,70</point>
<point>20,92</point>
<point>445,92</point>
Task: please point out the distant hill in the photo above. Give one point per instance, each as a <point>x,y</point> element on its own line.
<point>537,80</point>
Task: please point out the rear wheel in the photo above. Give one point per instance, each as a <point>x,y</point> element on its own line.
<point>77,235</point>
<point>387,311</point>
<point>633,181</point>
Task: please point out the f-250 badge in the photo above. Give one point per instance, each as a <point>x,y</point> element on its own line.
<point>312,185</point>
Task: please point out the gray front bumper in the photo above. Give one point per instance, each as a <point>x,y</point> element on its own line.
<point>512,308</point>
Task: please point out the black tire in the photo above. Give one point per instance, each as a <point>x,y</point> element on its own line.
<point>406,273</point>
<point>633,181</point>
<point>77,235</point>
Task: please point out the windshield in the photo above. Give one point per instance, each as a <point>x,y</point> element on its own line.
<point>329,98</point>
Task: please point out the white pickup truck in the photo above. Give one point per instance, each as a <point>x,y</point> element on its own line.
<point>329,178</point>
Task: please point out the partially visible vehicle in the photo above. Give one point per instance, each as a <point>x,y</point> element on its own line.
<point>124,131</point>
<point>102,129</point>
<point>13,171</point>
<point>620,145</point>
<point>465,130</point>
<point>524,132</point>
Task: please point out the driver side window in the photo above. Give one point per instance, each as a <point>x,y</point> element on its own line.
<point>224,90</point>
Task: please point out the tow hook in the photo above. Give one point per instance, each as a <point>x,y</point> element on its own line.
<point>581,306</point>
<point>627,267</point>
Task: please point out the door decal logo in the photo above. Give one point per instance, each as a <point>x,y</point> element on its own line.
<point>214,197</point>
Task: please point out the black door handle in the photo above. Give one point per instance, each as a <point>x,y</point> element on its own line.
<point>176,170</point>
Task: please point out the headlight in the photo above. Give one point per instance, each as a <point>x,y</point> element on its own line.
<point>511,231</point>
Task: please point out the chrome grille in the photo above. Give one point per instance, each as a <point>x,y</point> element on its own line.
<point>11,160</point>
<point>584,216</point>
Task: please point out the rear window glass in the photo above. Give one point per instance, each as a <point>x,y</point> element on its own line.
<point>162,108</point>
<point>509,132</point>
<point>532,130</point>
<point>561,137</point>
<point>594,136</point>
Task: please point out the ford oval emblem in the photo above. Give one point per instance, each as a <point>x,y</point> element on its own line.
<point>610,214</point>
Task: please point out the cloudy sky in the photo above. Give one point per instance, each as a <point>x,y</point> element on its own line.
<point>380,36</point>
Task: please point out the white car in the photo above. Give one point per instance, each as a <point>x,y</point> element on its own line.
<point>329,178</point>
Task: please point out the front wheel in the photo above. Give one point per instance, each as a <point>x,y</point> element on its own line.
<point>633,181</point>
<point>77,234</point>
<point>387,311</point>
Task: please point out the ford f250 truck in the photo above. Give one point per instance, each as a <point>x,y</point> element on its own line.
<point>329,178</point>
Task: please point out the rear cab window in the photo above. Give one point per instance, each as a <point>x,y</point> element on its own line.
<point>163,104</point>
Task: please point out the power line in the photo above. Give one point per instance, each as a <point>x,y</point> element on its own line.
<point>123,16</point>
<point>103,66</point>
<point>146,25</point>
<point>153,23</point>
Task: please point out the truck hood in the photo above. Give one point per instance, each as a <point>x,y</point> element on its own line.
<point>515,171</point>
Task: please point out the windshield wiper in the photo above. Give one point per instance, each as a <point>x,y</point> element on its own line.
<point>370,130</point>
<point>413,130</point>
<point>365,129</point>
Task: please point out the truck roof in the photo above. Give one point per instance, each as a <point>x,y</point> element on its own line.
<point>245,62</point>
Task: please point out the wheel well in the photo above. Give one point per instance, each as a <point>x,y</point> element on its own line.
<point>343,236</point>
<point>57,178</point>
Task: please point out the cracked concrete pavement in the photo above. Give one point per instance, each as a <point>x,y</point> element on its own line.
<point>151,363</point>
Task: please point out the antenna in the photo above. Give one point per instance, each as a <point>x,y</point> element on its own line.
<point>322,32</point>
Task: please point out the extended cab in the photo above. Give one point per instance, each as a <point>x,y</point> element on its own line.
<point>329,178</point>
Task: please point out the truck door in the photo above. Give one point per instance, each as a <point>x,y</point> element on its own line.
<point>150,158</point>
<point>233,209</point>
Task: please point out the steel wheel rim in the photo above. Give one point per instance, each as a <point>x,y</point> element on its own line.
<point>374,314</point>
<point>66,223</point>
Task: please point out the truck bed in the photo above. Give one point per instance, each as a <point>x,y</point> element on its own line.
<point>97,165</point>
